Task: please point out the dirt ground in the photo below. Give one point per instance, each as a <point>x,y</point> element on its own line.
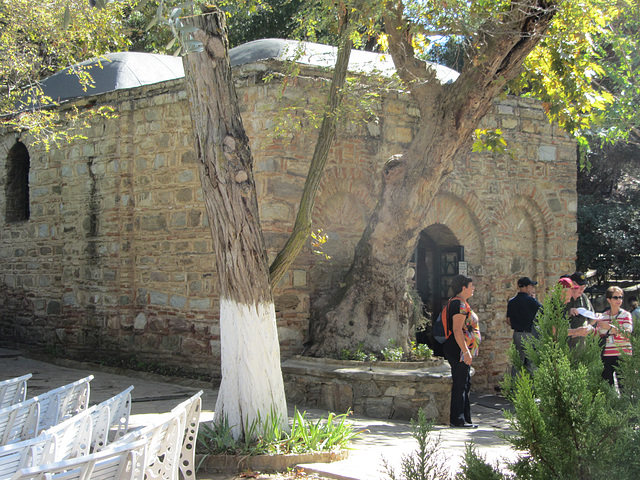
<point>293,474</point>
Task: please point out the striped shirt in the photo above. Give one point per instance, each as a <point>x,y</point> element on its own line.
<point>616,343</point>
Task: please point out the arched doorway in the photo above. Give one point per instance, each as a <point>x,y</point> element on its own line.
<point>17,184</point>
<point>438,257</point>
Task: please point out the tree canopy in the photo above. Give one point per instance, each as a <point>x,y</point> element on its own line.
<point>585,69</point>
<point>39,39</point>
<point>269,19</point>
<point>608,218</point>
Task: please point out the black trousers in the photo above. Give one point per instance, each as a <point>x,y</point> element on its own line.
<point>609,364</point>
<point>460,411</point>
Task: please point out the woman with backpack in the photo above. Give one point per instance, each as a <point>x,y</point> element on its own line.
<point>460,347</point>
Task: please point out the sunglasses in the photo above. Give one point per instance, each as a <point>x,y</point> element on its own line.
<point>617,298</point>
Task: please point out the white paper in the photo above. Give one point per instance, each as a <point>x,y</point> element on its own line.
<point>587,313</point>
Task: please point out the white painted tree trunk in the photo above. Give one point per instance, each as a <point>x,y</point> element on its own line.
<point>252,386</point>
<point>252,389</point>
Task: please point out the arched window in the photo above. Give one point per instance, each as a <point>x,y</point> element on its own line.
<point>17,186</point>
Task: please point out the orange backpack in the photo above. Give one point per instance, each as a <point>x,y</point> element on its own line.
<point>441,330</point>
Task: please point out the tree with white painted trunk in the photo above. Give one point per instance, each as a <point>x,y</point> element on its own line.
<point>252,388</point>
<point>252,385</point>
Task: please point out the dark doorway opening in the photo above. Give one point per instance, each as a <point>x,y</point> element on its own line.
<point>437,260</point>
<point>17,186</point>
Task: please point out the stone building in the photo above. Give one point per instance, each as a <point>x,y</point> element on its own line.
<point>105,249</point>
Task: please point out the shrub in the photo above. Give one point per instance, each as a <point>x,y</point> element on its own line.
<point>359,355</point>
<point>475,467</point>
<point>332,433</point>
<point>569,423</point>
<point>421,351</point>
<point>425,463</point>
<point>392,353</point>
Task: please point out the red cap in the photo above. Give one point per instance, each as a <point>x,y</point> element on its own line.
<point>565,282</point>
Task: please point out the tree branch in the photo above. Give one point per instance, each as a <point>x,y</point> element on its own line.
<point>326,136</point>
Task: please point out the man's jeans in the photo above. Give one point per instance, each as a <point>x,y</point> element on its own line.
<point>518,339</point>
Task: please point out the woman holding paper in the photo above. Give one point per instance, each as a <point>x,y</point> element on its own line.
<point>614,327</point>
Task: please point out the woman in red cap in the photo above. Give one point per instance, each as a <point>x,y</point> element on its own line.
<point>567,284</point>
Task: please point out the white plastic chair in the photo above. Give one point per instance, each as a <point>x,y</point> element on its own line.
<point>77,436</point>
<point>13,390</point>
<point>27,419</point>
<point>110,419</point>
<point>193,408</point>
<point>163,451</point>
<point>69,439</point>
<point>123,462</point>
<point>11,462</point>
<point>171,452</point>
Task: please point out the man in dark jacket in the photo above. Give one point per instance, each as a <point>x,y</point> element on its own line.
<point>521,312</point>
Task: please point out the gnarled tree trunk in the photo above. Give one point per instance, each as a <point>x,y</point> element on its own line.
<point>252,387</point>
<point>373,307</point>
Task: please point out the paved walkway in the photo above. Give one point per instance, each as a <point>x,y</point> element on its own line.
<point>388,440</point>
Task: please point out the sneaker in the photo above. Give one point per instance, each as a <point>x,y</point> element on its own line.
<point>464,425</point>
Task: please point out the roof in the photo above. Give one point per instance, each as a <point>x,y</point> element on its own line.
<point>116,71</point>
<point>323,56</point>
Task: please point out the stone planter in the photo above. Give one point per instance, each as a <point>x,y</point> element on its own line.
<point>388,390</point>
<point>264,463</point>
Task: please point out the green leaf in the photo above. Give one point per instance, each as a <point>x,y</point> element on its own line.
<point>141,4</point>
<point>67,18</point>
<point>170,44</point>
<point>151,24</point>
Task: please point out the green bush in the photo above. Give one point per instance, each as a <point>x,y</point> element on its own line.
<point>421,351</point>
<point>475,467</point>
<point>569,423</point>
<point>359,355</point>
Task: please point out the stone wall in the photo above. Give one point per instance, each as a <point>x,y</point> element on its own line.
<point>377,390</point>
<point>116,258</point>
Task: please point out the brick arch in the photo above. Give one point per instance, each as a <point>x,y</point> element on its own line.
<point>345,199</point>
<point>520,207</point>
<point>471,200</point>
<point>533,200</point>
<point>455,213</point>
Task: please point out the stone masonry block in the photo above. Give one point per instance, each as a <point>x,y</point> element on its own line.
<point>140,322</point>
<point>378,407</point>
<point>171,343</point>
<point>394,391</point>
<point>158,298</point>
<point>337,397</point>
<point>200,303</point>
<point>547,153</point>
<point>299,278</point>
<point>509,123</point>
<point>275,211</point>
<point>177,301</point>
